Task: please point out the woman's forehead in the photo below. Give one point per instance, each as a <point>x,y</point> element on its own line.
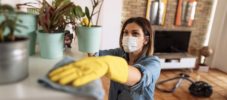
<point>133,26</point>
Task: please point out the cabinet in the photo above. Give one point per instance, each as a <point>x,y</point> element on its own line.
<point>176,60</point>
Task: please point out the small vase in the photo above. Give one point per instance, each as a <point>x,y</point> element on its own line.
<point>51,45</point>
<point>89,39</point>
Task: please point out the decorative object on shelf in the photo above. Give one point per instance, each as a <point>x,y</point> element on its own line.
<point>68,38</point>
<point>13,47</point>
<point>88,33</point>
<point>179,13</point>
<point>156,11</point>
<point>185,14</point>
<point>52,21</point>
<point>191,12</point>
<point>203,54</point>
<point>69,34</point>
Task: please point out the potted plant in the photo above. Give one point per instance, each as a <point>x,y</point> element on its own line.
<point>89,33</point>
<point>14,49</point>
<point>29,20</point>
<point>52,19</point>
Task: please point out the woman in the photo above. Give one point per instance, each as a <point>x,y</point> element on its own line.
<point>132,68</point>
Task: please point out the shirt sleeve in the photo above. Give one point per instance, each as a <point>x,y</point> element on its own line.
<point>150,69</point>
<point>114,52</point>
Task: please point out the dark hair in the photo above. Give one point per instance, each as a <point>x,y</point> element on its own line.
<point>147,30</point>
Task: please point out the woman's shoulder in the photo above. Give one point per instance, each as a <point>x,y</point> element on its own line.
<point>151,58</point>
<point>149,62</point>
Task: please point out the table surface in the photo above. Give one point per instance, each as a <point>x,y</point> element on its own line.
<point>29,89</point>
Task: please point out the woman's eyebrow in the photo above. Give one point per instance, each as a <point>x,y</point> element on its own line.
<point>135,30</point>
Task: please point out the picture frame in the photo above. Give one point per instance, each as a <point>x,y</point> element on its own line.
<point>185,12</point>
<point>156,11</point>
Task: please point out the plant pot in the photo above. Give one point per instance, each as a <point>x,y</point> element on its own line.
<point>30,22</point>
<point>89,39</point>
<point>13,61</point>
<point>51,44</point>
<point>203,68</point>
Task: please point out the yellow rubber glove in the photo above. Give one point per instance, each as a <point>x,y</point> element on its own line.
<point>91,68</point>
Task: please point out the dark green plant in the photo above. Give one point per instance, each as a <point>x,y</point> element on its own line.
<point>76,14</point>
<point>52,17</point>
<point>10,22</point>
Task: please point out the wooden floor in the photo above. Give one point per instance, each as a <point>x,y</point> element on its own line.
<point>216,78</point>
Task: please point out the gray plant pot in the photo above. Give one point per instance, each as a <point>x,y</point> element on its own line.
<point>14,61</point>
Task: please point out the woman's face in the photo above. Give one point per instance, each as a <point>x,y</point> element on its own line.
<point>135,31</point>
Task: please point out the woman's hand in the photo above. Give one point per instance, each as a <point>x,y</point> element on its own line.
<point>91,68</point>
<point>91,54</point>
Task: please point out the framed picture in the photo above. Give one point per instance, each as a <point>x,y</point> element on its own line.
<point>156,11</point>
<point>185,12</point>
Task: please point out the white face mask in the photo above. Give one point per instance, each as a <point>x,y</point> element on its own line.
<point>129,44</point>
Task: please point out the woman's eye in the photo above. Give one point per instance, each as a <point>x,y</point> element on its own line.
<point>135,34</point>
<point>125,33</point>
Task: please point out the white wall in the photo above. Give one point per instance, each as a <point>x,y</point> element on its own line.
<point>210,26</point>
<point>110,19</point>
<point>220,59</point>
<point>218,37</point>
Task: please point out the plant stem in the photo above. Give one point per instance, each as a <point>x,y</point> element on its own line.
<point>92,2</point>
<point>11,37</point>
<point>93,9</point>
<point>1,36</point>
<point>99,12</point>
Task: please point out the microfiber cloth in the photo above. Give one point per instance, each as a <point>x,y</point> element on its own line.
<point>92,89</point>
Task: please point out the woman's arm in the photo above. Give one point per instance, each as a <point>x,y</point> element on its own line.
<point>134,76</point>
<point>144,73</point>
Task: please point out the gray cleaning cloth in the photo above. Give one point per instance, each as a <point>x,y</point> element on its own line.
<point>92,89</point>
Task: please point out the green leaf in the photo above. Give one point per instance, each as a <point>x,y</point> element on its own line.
<point>64,10</point>
<point>61,2</point>
<point>6,8</point>
<point>87,13</point>
<point>22,26</point>
<point>78,12</point>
